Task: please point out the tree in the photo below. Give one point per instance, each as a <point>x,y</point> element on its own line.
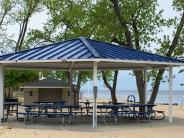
<point>175,48</point>
<point>6,13</point>
<point>64,25</point>
<point>73,20</point>
<point>6,7</point>
<point>134,18</point>
<point>15,79</point>
<point>24,13</point>
<point>11,13</point>
<point>137,34</point>
<point>135,24</point>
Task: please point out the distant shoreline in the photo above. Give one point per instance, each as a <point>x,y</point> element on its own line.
<point>162,97</point>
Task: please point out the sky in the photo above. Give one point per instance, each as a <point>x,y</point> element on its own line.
<point>125,81</point>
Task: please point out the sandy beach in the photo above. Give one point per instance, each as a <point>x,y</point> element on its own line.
<point>152,129</point>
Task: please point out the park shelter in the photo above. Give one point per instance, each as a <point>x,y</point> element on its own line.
<point>46,90</point>
<point>87,54</point>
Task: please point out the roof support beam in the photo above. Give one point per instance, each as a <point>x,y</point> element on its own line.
<point>81,68</point>
<point>94,94</point>
<point>145,87</point>
<point>1,92</point>
<point>145,84</point>
<point>170,93</point>
<point>71,83</point>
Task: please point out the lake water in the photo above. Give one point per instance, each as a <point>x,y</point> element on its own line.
<point>162,96</point>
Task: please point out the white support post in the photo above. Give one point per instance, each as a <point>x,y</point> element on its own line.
<point>94,94</point>
<point>170,95</point>
<point>71,84</point>
<point>145,85</point>
<point>1,92</point>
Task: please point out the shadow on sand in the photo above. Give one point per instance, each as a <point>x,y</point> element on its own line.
<point>84,124</point>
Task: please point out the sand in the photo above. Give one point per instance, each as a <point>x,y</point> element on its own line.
<point>152,129</point>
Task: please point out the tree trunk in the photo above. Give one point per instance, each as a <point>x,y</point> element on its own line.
<point>74,96</point>
<point>111,88</point>
<point>9,93</point>
<point>113,97</point>
<point>22,33</point>
<point>76,89</point>
<point>6,11</point>
<point>168,54</point>
<point>2,19</point>
<point>156,86</point>
<point>140,85</point>
<point>123,23</point>
<point>23,25</point>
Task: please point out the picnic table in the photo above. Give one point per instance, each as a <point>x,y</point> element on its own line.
<point>46,107</point>
<point>49,110</point>
<point>9,106</point>
<point>87,106</point>
<point>50,102</point>
<point>126,110</point>
<point>130,111</point>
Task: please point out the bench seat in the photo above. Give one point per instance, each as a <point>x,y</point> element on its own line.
<point>29,116</point>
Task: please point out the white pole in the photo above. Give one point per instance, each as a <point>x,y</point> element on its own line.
<point>1,92</point>
<point>94,94</point>
<point>170,95</point>
<point>71,84</point>
<point>145,85</point>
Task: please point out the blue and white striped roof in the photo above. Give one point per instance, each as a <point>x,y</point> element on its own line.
<point>84,50</point>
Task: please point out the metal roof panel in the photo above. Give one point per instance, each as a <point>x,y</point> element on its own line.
<point>85,48</point>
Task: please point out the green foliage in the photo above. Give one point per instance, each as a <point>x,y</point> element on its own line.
<point>109,75</point>
<point>13,13</point>
<point>69,19</point>
<point>6,7</point>
<point>6,4</point>
<point>165,44</point>
<point>16,12</point>
<point>178,5</point>
<point>16,78</point>
<point>6,14</point>
<point>144,15</point>
<point>26,8</point>
<point>86,75</point>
